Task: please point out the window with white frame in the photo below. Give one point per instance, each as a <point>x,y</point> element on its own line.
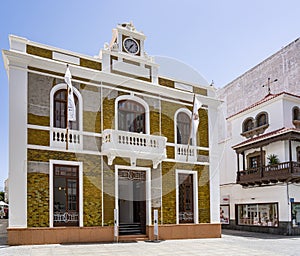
<point>60,110</point>
<point>65,193</point>
<point>183,128</point>
<point>186,196</point>
<point>59,105</point>
<point>132,114</point>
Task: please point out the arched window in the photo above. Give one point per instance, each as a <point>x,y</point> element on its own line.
<point>131,116</point>
<point>248,125</point>
<point>183,127</point>
<point>261,119</point>
<point>60,111</point>
<point>296,114</point>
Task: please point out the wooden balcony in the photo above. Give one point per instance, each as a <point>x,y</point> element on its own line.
<point>282,172</point>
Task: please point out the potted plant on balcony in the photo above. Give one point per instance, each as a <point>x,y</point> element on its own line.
<point>273,161</point>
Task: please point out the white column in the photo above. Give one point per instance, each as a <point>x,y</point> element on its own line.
<point>17,145</point>
<point>214,160</point>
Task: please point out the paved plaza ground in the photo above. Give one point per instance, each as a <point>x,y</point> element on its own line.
<point>232,243</point>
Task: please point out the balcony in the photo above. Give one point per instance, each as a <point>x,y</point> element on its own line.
<point>185,152</point>
<point>135,146</point>
<point>58,139</point>
<point>282,172</point>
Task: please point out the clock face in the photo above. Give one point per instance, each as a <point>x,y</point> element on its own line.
<point>131,46</point>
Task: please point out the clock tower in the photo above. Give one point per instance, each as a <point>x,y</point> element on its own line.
<point>125,54</point>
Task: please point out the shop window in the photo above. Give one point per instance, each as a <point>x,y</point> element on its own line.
<point>258,214</point>
<point>295,214</point>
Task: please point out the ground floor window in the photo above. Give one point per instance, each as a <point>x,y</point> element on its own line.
<point>296,214</point>
<point>186,198</point>
<point>258,214</point>
<point>66,195</point>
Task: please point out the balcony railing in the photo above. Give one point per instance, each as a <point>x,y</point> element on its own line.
<point>287,171</point>
<point>58,138</point>
<point>185,152</point>
<point>117,143</point>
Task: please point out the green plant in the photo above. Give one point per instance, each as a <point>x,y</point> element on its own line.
<point>273,159</point>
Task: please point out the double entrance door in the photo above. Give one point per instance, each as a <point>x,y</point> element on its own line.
<point>132,202</point>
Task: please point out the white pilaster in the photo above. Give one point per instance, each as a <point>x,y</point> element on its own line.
<point>17,145</point>
<point>214,159</point>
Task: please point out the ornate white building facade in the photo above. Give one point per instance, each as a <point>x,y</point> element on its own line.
<point>125,156</point>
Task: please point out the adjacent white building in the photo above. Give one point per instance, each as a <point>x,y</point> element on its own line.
<point>259,146</point>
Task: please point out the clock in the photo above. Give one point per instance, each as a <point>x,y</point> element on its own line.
<point>130,45</point>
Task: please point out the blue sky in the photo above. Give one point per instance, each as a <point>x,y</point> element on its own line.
<point>220,39</point>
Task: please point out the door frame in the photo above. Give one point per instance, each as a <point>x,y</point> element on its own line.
<point>148,189</point>
<point>195,194</point>
<point>51,182</point>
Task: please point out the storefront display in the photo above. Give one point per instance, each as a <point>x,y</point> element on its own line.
<point>258,214</point>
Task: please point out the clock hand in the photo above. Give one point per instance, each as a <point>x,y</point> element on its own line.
<point>130,46</point>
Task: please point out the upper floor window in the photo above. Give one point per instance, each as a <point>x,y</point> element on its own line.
<point>131,116</point>
<point>248,125</point>
<point>256,159</point>
<point>296,113</point>
<point>59,106</point>
<point>60,111</point>
<point>296,117</point>
<point>257,126</point>
<point>183,127</point>
<point>261,119</point>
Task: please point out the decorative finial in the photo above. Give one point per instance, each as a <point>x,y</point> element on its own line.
<point>269,82</point>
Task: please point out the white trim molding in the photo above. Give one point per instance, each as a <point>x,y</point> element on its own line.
<point>51,197</point>
<point>80,102</point>
<point>186,111</point>
<point>58,135</point>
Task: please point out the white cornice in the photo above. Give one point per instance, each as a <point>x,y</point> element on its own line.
<point>51,48</point>
<point>100,76</point>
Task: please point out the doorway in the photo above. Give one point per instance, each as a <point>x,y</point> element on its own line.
<point>132,201</point>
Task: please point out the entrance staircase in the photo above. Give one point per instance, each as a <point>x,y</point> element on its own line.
<point>131,232</point>
<point>130,229</point>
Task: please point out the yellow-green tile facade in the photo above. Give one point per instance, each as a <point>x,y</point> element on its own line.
<point>38,187</point>
<point>94,166</point>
